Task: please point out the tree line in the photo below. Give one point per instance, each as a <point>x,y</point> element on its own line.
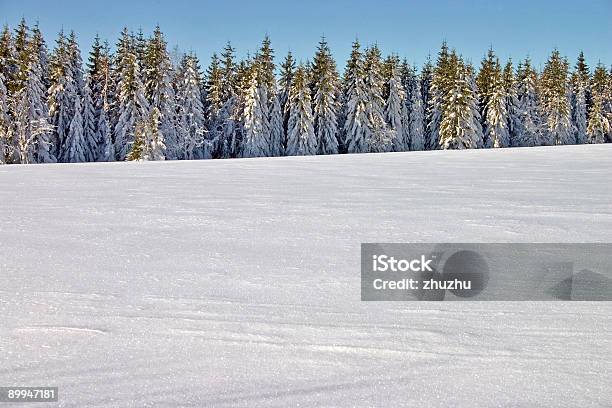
<point>138,103</point>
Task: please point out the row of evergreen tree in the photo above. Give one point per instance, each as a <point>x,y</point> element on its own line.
<point>137,104</point>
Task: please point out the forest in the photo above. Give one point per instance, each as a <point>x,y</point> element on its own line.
<point>137,101</point>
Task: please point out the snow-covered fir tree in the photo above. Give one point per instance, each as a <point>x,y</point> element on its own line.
<point>243,88</point>
<point>416,124</point>
<point>89,124</point>
<point>228,128</point>
<point>191,135</point>
<point>426,78</point>
<point>214,98</point>
<point>140,48</point>
<point>228,73</point>
<point>493,102</point>
<point>75,148</point>
<point>155,148</point>
<point>555,102</point>
<point>255,142</point>
<point>227,136</point>
<point>101,84</point>
<point>530,133</point>
<point>160,94</point>
<point>31,127</point>
<point>325,94</point>
<point>378,135</point>
<point>608,105</point>
<point>277,135</point>
<point>301,138</point>
<point>476,128</point>
<point>408,80</point>
<point>599,125</point>
<point>132,106</point>
<point>7,56</point>
<point>23,54</point>
<point>440,87</point>
<point>580,96</point>
<point>39,46</point>
<point>148,139</point>
<point>287,71</point>
<point>106,148</point>
<point>75,63</point>
<point>515,127</point>
<point>62,92</point>
<point>4,121</point>
<point>457,125</point>
<point>266,86</point>
<point>393,107</point>
<point>355,129</point>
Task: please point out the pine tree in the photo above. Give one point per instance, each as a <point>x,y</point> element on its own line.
<point>555,101</point>
<point>31,128</point>
<point>285,82</point>
<point>582,74</point>
<point>580,97</point>
<point>228,73</point>
<point>515,127</point>
<point>276,128</point>
<point>356,99</point>
<point>493,103</point>
<point>457,124</point>
<point>214,97</point>
<point>192,143</point>
<point>254,143</point>
<point>325,107</point>
<point>243,90</point>
<point>149,141</point>
<point>301,139</point>
<point>608,105</point>
<point>7,55</point>
<point>160,94</point>
<point>75,63</point>
<point>62,92</point>
<point>228,121</point>
<point>378,135</point>
<point>132,105</point>
<point>101,86</point>
<point>440,87</point>
<point>89,125</point>
<point>75,148</point>
<point>266,87</point>
<point>528,107</point>
<point>228,133</point>
<point>264,62</point>
<point>416,125</point>
<point>23,55</point>
<point>106,148</point>
<point>408,81</point>
<point>140,48</point>
<point>472,97</point>
<point>4,121</point>
<point>140,134</point>
<point>394,105</point>
<point>39,46</point>
<point>598,123</point>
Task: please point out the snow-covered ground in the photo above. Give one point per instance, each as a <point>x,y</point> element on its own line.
<point>237,282</point>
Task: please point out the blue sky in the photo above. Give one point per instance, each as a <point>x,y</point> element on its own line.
<point>413,29</point>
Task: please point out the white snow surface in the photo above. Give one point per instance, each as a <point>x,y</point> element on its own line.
<point>237,282</point>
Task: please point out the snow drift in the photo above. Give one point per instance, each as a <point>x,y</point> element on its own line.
<point>237,282</point>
